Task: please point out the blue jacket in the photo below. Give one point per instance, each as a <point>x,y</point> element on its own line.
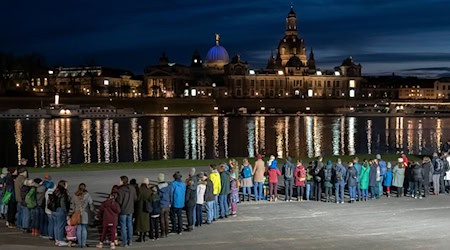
<point>383,168</point>
<point>165,194</point>
<point>340,168</point>
<point>179,192</point>
<point>358,167</point>
<point>388,178</point>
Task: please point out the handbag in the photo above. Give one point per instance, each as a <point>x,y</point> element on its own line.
<point>75,219</point>
<point>6,198</point>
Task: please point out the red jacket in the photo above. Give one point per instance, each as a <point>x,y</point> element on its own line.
<point>273,174</point>
<point>300,173</point>
<point>109,212</point>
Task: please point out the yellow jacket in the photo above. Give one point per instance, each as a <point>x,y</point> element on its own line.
<point>215,179</point>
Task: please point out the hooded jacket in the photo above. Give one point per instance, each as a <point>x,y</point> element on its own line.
<point>364,177</point>
<point>351,177</point>
<point>288,169</point>
<point>83,204</point>
<point>224,183</point>
<point>373,175</point>
<point>109,212</point>
<point>201,188</point>
<point>300,172</point>
<point>417,173</point>
<point>191,196</point>
<point>328,175</point>
<point>209,192</point>
<point>18,184</point>
<point>179,192</point>
<point>388,177</point>
<point>126,197</point>
<point>427,168</point>
<point>273,174</point>
<point>165,194</point>
<point>398,176</point>
<point>339,168</point>
<point>258,171</point>
<point>214,176</point>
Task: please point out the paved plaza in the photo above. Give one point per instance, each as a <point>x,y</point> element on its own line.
<point>389,223</point>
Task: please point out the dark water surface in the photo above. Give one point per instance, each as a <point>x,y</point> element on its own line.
<point>60,141</point>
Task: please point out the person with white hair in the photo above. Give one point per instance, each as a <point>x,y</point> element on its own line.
<point>437,170</point>
<point>398,177</point>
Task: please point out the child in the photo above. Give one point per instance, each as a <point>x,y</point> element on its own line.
<point>109,214</point>
<point>388,179</point>
<point>154,215</point>
<point>300,179</point>
<point>71,234</point>
<point>309,182</point>
<point>266,188</point>
<point>234,194</point>
<point>273,174</point>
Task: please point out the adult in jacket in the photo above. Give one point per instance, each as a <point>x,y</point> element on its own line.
<point>288,174</point>
<point>417,173</point>
<point>190,201</point>
<point>318,178</point>
<point>214,176</point>
<point>142,215</point>
<point>82,202</point>
<point>126,197</point>
<point>258,172</point>
<point>179,194</point>
<point>300,180</point>
<point>364,180</point>
<point>351,178</point>
<point>373,178</point>
<point>166,199</point>
<point>398,177</point>
<point>209,200</point>
<point>339,181</point>
<point>224,191</point>
<point>427,173</point>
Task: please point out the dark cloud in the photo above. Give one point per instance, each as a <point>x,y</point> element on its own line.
<point>133,34</point>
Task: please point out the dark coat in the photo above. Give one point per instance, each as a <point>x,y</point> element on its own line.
<point>126,197</point>
<point>225,183</point>
<point>426,170</point>
<point>417,173</point>
<point>191,196</point>
<point>209,195</point>
<point>352,177</point>
<point>143,217</point>
<point>373,176</point>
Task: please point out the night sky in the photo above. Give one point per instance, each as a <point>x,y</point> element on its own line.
<point>403,36</point>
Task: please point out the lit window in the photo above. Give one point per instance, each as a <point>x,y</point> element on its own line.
<point>195,60</point>
<point>337,73</point>
<point>106,82</point>
<point>193,92</point>
<point>50,72</point>
<point>186,92</point>
<point>45,81</point>
<point>351,84</point>
<point>251,72</point>
<point>351,93</point>
<point>319,73</point>
<point>280,72</point>
<point>310,92</point>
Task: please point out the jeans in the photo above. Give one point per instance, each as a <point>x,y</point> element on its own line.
<point>358,190</point>
<point>339,191</point>
<point>190,215</point>
<point>288,189</point>
<point>50,226</point>
<point>209,211</point>
<point>126,228</point>
<point>43,222</point>
<point>364,193</point>
<point>198,214</point>
<point>258,193</point>
<point>59,219</point>
<point>165,221</point>
<point>328,192</point>
<point>246,190</point>
<point>436,178</point>
<point>318,192</point>
<point>300,191</point>
<point>352,192</point>
<point>373,191</point>
<point>309,185</point>
<point>442,183</point>
<point>223,205</point>
<point>19,215</point>
<point>216,207</point>
<point>34,218</point>
<point>82,235</point>
<point>154,228</point>
<point>177,219</point>
<point>426,189</point>
<point>194,215</point>
<point>380,186</point>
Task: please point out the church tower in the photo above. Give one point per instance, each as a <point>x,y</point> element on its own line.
<point>291,23</point>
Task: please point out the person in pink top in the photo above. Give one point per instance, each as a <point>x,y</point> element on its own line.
<point>300,180</point>
<point>273,174</point>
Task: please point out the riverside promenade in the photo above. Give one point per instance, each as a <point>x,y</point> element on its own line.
<point>388,223</point>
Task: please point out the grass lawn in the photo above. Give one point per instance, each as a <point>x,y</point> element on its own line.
<point>179,163</point>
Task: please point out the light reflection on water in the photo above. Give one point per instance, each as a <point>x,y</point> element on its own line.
<point>57,142</point>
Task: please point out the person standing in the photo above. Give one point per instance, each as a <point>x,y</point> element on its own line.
<point>339,181</point>
<point>62,205</point>
<point>224,191</point>
<point>209,200</point>
<point>445,168</point>
<point>109,215</point>
<point>373,178</point>
<point>20,199</point>
<point>246,176</point>
<point>437,171</point>
<point>310,182</point>
<point>382,165</point>
<point>214,176</point>
<point>155,214</point>
<point>190,202</point>
<point>201,188</point>
<point>234,193</point>
<point>427,174</point>
<point>287,171</point>
<point>126,197</point>
<point>300,180</point>
<point>142,216</point>
<point>388,179</point>
<point>318,178</point>
<point>42,221</point>
<point>258,177</point>
<point>166,199</point>
<point>417,173</point>
<point>364,180</point>
<point>273,174</point>
<point>398,177</point>
<point>82,203</point>
<point>351,178</point>
<point>328,180</point>
<point>357,166</point>
<point>179,192</point>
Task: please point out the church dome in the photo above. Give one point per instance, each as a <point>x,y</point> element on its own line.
<point>217,54</point>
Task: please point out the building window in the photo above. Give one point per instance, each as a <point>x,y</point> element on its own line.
<point>319,84</point>
<point>351,93</point>
<point>310,92</point>
<point>45,81</point>
<point>352,84</point>
<point>38,82</point>
<point>328,84</point>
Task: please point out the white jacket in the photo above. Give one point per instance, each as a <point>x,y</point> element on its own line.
<point>201,188</point>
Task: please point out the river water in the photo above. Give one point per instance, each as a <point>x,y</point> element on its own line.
<point>55,142</point>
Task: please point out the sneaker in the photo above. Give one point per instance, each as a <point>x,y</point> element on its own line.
<point>180,233</point>
<point>342,202</point>
<point>112,246</point>
<point>62,244</point>
<point>100,245</point>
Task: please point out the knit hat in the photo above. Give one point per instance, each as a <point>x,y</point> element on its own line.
<point>192,172</point>
<point>200,175</point>
<point>378,157</point>
<point>160,177</point>
<point>4,171</point>
<point>177,175</point>
<point>400,160</point>
<point>146,181</point>
<point>47,177</point>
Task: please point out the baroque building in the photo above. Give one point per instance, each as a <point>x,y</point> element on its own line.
<point>290,73</point>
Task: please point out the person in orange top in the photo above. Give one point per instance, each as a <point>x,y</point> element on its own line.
<point>258,178</point>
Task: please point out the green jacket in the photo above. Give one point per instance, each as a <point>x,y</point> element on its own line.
<point>364,177</point>
<point>398,176</point>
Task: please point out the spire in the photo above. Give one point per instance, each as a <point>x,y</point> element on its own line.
<point>311,61</point>
<point>291,22</point>
<point>217,39</point>
<point>311,54</point>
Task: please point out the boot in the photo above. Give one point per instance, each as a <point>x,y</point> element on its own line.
<point>33,232</point>
<point>140,238</point>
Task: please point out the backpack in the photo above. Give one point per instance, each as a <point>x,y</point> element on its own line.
<point>52,201</point>
<point>328,174</point>
<point>30,198</point>
<point>338,174</point>
<point>288,173</point>
<point>438,165</point>
<point>246,172</point>
<point>446,165</point>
